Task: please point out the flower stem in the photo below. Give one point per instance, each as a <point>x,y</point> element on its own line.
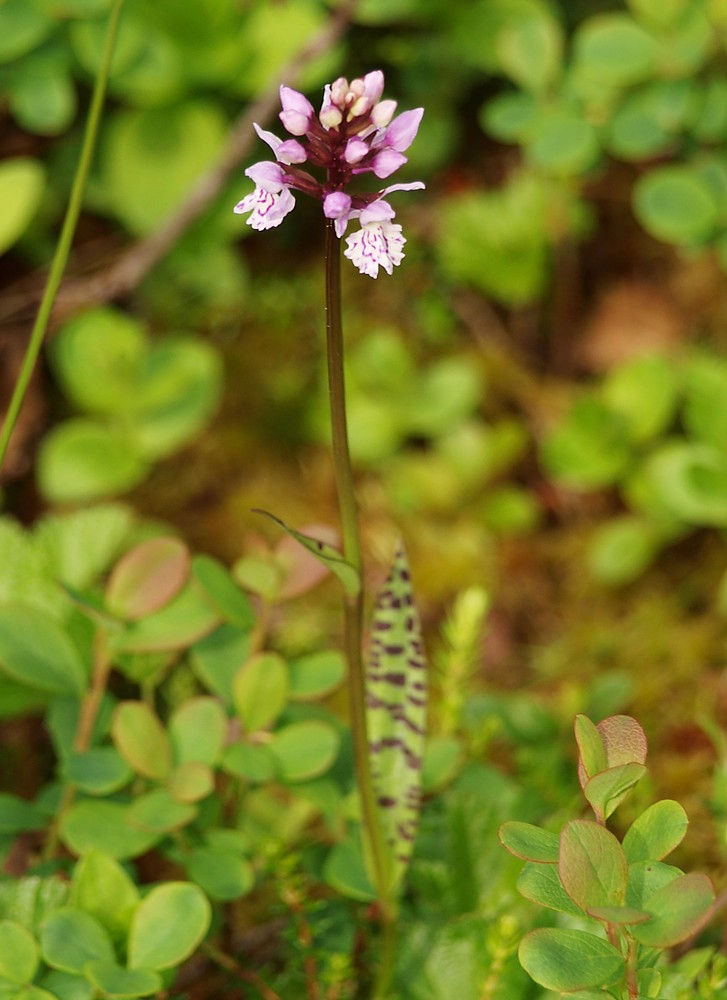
<point>353,616</point>
<point>63,247</point>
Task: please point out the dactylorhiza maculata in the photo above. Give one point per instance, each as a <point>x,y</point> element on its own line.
<point>354,133</point>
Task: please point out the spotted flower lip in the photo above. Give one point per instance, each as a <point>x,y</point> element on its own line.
<point>354,134</point>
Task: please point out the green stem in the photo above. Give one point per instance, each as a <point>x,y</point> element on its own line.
<point>353,617</point>
<point>63,248</point>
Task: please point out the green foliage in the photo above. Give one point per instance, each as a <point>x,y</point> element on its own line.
<point>634,905</point>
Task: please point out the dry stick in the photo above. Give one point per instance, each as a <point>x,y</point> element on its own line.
<point>130,268</point>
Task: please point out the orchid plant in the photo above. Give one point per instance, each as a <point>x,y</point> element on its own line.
<point>356,133</point>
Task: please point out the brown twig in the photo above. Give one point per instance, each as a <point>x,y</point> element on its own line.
<point>129,268</point>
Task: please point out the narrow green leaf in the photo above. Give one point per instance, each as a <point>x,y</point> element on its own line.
<point>569,960</point>
<point>141,739</point>
<point>677,911</point>
<point>69,938</point>
<point>168,925</point>
<point>592,865</point>
<point>326,553</point>
<point>529,842</point>
<point>656,832</point>
<point>607,790</point>
<point>396,710</point>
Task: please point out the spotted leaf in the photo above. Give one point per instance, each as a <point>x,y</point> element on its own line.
<point>396,707</point>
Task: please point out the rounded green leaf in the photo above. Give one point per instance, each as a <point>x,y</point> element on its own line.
<point>647,878</point>
<point>607,790</point>
<point>223,875</point>
<point>223,592</point>
<point>344,871</point>
<point>677,911</point>
<point>66,986</point>
<point>168,925</point>
<point>21,187</point>
<point>444,757</point>
<point>614,50</point>
<point>690,479</point>
<point>101,886</point>
<point>186,619</point>
<point>98,771</point>
<point>114,982</point>
<point>253,762</point>
<point>656,832</point>
<point>592,865</point>
<point>569,960</point>
<point>644,391</point>
<point>83,459</point>
<point>563,143</point>
<point>36,651</point>
<point>69,938</point>
<point>590,449</point>
<point>103,825</point>
<point>304,750</point>
<point>509,116</point>
<point>147,577</point>
<point>217,657</point>
<point>43,100</point>
<point>198,730</point>
<point>23,26</point>
<point>260,690</point>
<point>529,49</point>
<point>316,675</point>
<point>623,548</point>
<point>675,204</point>
<point>191,781</point>
<point>705,416</point>
<point>141,739</point>
<point>98,357</point>
<point>19,953</point>
<point>34,993</point>
<point>157,812</point>
<point>19,816</point>
<point>529,842</point>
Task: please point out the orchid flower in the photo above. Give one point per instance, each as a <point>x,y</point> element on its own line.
<point>354,133</point>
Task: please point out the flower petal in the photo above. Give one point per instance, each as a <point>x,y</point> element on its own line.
<point>267,208</point>
<point>378,244</point>
<point>402,131</point>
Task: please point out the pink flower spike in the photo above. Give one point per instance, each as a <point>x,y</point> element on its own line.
<point>267,208</point>
<point>337,206</point>
<point>377,211</point>
<point>292,151</point>
<point>297,111</point>
<point>386,162</point>
<point>411,186</point>
<point>374,85</point>
<point>402,131</point>
<point>382,113</point>
<point>266,175</point>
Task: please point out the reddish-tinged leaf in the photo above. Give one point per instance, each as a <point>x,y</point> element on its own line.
<point>529,842</point>
<point>569,960</point>
<point>147,578</point>
<point>678,910</point>
<point>592,865</point>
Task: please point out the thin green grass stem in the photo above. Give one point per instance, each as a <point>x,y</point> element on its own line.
<point>353,618</point>
<point>63,247</point>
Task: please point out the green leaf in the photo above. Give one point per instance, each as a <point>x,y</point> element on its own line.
<point>396,712</point>
<point>316,674</point>
<point>141,739</point>
<point>114,982</point>
<point>656,832</point>
<point>84,459</point>
<point>304,750</point>
<point>562,143</point>
<point>223,874</point>
<point>217,657</point>
<point>607,790</point>
<point>103,825</point>
<point>591,749</point>
<point>19,816</point>
<point>569,960</point>
<point>444,758</point>
<point>254,763</point>
<point>324,552</point>
<point>647,878</point>
<point>157,812</point>
<point>530,49</point>
<point>98,771</point>
<point>23,26</point>
<point>147,578</point>
<point>223,592</point>
<point>43,97</point>
<point>678,910</point>
<point>191,782</point>
<point>69,938</point>
<point>168,925</point>
<point>21,186</point>
<point>704,416</point>
<point>19,953</point>
<point>197,730</point>
<point>590,449</point>
<point>625,915</point>
<point>344,871</point>
<point>612,49</point>
<point>675,204</point>
<point>66,986</point>
<point>77,546</point>
<point>690,480</point>
<point>624,740</point>
<point>188,618</point>
<point>592,865</point>
<point>529,842</point>
<point>624,548</point>
<point>541,884</point>
<point>644,391</point>
<point>101,887</point>
<point>509,116</point>
<point>36,651</point>
<point>260,690</point>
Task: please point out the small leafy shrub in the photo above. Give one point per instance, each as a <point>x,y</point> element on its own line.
<point>653,430</point>
<point>143,400</point>
<point>634,904</point>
